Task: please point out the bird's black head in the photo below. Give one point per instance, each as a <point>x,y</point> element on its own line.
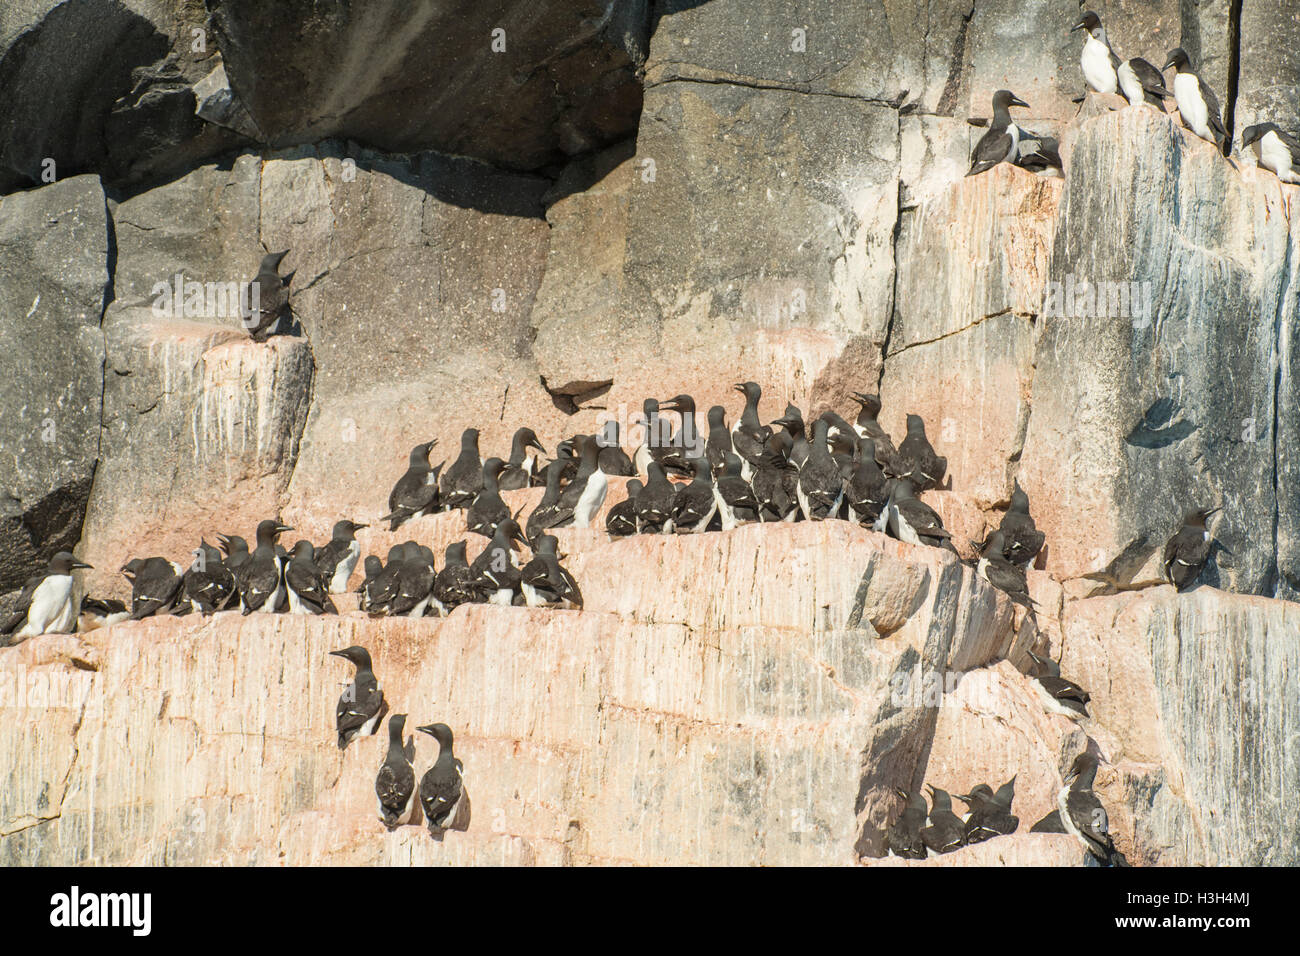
<point>916,425</point>
<point>1083,763</point>
<point>456,552</point>
<point>345,529</point>
<point>607,437</point>
<point>1090,22</point>
<point>493,468</point>
<point>133,567</point>
<point>1197,518</point>
<point>994,544</point>
<point>546,544</point>
<point>679,403</point>
<point>396,553</point>
<point>469,438</point>
<point>65,563</point>
<point>232,544</point>
<point>1252,133</point>
<point>717,417</point>
<point>870,403</point>
<point>420,453</point>
<point>750,390</point>
<point>396,725</point>
<point>271,262</point>
<point>373,565</point>
<point>1178,59</point>
<point>509,532</point>
<point>270,529</point>
<point>1005,99</point>
<point>439,732</point>
<point>357,654</point>
<point>303,549</point>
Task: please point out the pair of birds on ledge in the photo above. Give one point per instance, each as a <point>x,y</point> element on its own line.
<point>360,712</point>
<point>1140,83</point>
<point>1079,813</point>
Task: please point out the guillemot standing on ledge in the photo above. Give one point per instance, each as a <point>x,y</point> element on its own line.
<point>416,492</point>
<point>273,315</point>
<point>613,459</point>
<point>155,585</point>
<point>820,490</point>
<point>464,479</point>
<point>487,509</point>
<point>749,435</point>
<point>49,602</point>
<point>1197,104</point>
<point>904,837</point>
<point>1188,550</point>
<point>654,505</point>
<point>1059,696</point>
<point>441,786</point>
<point>1082,814</point>
<point>361,707</point>
<point>1021,538</point>
<point>338,558</point>
<point>694,504</point>
<point>520,469</point>
<point>1099,62</point>
<point>621,519</point>
<point>946,831</point>
<point>1001,144</point>
<point>306,587</point>
<point>395,783</point>
<point>261,583</point>
<point>208,585</point>
<point>454,584</point>
<point>1275,150</point>
<point>1141,82</point>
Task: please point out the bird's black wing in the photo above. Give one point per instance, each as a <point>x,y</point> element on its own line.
<point>991,149</point>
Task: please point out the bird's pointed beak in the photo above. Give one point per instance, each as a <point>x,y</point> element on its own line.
<point>337,654</point>
<point>1017,101</point>
<point>539,446</point>
<point>739,388</point>
<point>1167,66</point>
<point>358,527</point>
<point>82,564</point>
<point>281,528</point>
<point>1082,24</point>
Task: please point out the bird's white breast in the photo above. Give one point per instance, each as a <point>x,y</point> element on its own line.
<point>1273,154</point>
<point>1191,105</point>
<point>1097,68</point>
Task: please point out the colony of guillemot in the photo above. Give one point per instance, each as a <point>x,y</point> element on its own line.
<point>988,815</point>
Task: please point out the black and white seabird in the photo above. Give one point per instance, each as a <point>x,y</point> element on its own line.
<point>495,573</point>
<point>694,504</point>
<point>621,519</point>
<point>1188,550</point>
<point>415,582</point>
<point>487,509</point>
<point>867,490</point>
<point>155,585</point>
<point>658,442</point>
<point>454,584</point>
<point>236,552</point>
<point>547,512</point>
<point>1082,813</point>
<point>1275,150</point>
<point>613,459</point>
<point>382,588</point>
<point>654,505</point>
<point>416,492</point>
<point>1021,538</point>
<point>1100,63</point>
<point>718,445</point>
<point>994,568</point>
<point>441,786</point>
<point>50,602</point>
<point>208,584</point>
<point>97,613</point>
<point>464,479</point>
<point>990,813</point>
<point>820,491</point>
<point>361,707</point>
<point>520,469</point>
<point>737,504</point>
<point>793,423</point>
<point>1197,104</point>
<point>1141,82</point>
<point>1001,143</point>
<point>749,435</point>
<point>273,313</point>
<point>585,495</point>
<point>909,519</point>
<point>1040,154</point>
<point>916,458</point>
<point>306,587</point>
<point>338,558</point>
<point>261,581</point>
<point>373,568</point>
<point>867,427</point>
<point>543,582</point>
<point>775,481</point>
<point>904,837</point>
<point>1059,696</point>
<point>686,441</point>
<point>395,783</point>
<point>946,831</point>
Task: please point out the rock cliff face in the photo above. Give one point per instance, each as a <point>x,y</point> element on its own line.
<point>546,224</point>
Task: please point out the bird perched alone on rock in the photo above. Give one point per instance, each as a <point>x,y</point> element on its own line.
<point>1021,538</point>
<point>946,831</point>
<point>464,479</point>
<point>1001,144</point>
<point>49,602</point>
<point>1275,150</point>
<point>361,707</point>
<point>1082,814</point>
<point>621,520</point>
<point>306,587</point>
<point>990,813</point>
<point>270,291</point>
<point>416,492</point>
<point>442,785</point>
<point>395,782</point>
<point>522,467</point>
<point>155,585</point>
<point>1099,62</point>
<point>1197,104</point>
<point>1059,696</point>
<point>338,558</point>
<point>1188,550</point>
<point>904,837</point>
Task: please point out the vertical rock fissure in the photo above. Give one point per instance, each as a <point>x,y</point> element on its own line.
<point>1234,71</point>
<point>893,297</point>
<point>1274,581</point>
